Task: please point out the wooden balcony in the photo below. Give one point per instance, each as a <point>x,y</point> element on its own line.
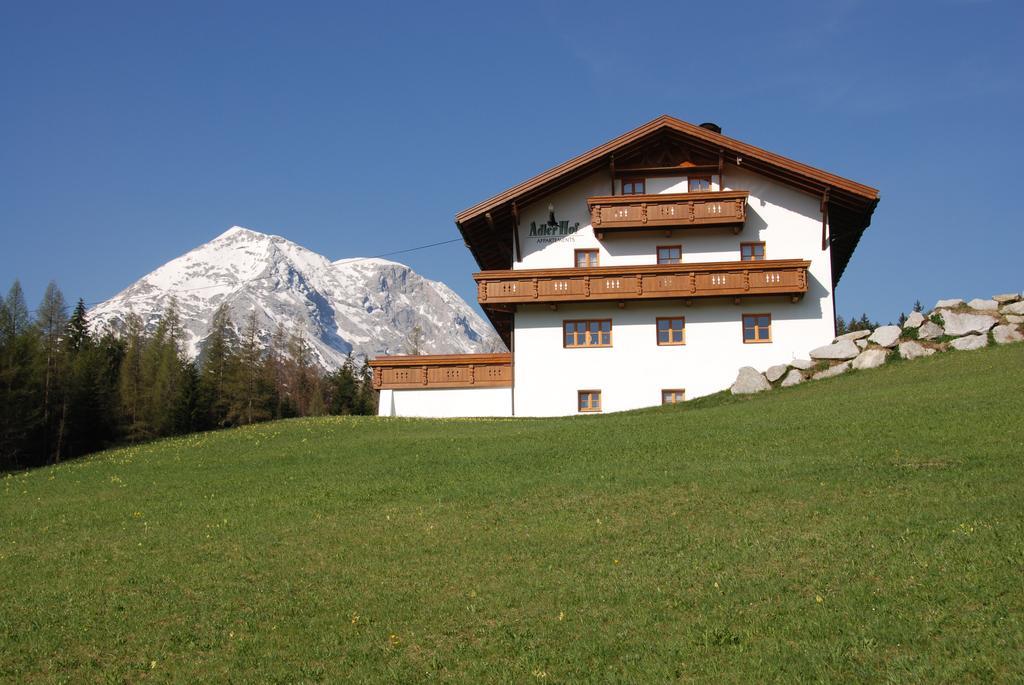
<point>425,372</point>
<point>631,213</point>
<point>668,281</point>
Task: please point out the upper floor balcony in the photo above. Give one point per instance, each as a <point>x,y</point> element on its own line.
<point>425,372</point>
<point>665,281</point>
<point>618,213</point>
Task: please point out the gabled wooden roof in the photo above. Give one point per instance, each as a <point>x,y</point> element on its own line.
<point>487,227</point>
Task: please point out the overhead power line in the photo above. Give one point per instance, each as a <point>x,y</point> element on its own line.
<point>264,278</point>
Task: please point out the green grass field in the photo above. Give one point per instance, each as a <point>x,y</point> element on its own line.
<point>865,528</point>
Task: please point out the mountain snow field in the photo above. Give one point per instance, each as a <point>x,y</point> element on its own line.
<point>366,306</point>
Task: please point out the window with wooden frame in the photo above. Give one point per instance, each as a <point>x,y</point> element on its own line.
<point>757,328</point>
<point>673,396</point>
<point>699,184</point>
<point>588,400</point>
<point>671,330</point>
<point>634,186</point>
<point>585,258</point>
<point>670,254</point>
<point>587,333</point>
<point>752,252</point>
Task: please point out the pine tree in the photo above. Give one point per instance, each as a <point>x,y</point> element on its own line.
<point>130,378</point>
<point>300,375</point>
<point>187,418</point>
<point>162,367</point>
<point>902,320</point>
<point>342,388</point>
<point>368,397</point>
<point>20,389</point>
<point>275,367</point>
<point>52,320</point>
<point>248,388</point>
<point>841,328</point>
<point>918,306</point>
<point>78,328</point>
<point>217,360</point>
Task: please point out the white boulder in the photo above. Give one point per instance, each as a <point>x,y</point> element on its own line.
<point>794,377</point>
<point>853,335</point>
<point>1006,333</point>
<point>862,344</point>
<point>914,320</point>
<point>930,330</point>
<point>1015,318</point>
<point>802,364</point>
<point>983,305</point>
<point>844,349</point>
<point>965,324</point>
<point>1006,298</point>
<point>948,303</point>
<point>776,372</point>
<point>870,359</point>
<point>748,381</point>
<point>832,371</point>
<point>970,342</point>
<point>1015,308</point>
<point>885,336</point>
<point>913,350</point>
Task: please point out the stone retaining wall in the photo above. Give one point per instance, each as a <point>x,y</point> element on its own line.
<point>951,325</point>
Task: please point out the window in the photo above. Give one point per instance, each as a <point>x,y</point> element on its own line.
<point>585,258</point>
<point>634,186</point>
<point>588,333</point>
<point>757,328</point>
<point>672,331</point>
<point>751,252</point>
<point>699,184</point>
<point>670,254</point>
<point>672,396</point>
<point>588,400</point>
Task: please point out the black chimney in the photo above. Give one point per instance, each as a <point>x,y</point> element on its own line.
<point>711,126</point>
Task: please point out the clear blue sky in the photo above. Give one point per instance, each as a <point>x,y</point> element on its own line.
<point>131,132</point>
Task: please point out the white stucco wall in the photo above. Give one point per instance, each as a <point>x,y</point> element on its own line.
<point>446,403</point>
<point>635,369</point>
<point>632,373</point>
<point>787,220</point>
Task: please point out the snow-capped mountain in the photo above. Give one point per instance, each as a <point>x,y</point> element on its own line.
<point>366,306</point>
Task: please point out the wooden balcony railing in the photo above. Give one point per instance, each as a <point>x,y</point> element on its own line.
<point>616,213</point>
<point>442,371</point>
<point>668,281</point>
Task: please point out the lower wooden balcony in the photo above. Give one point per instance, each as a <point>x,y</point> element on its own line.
<point>434,371</point>
<point>631,213</point>
<point>668,281</point>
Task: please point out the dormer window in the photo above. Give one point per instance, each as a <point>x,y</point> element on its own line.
<point>634,186</point>
<point>699,184</point>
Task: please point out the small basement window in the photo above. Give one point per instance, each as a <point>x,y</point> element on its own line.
<point>757,328</point>
<point>585,258</point>
<point>670,254</point>
<point>752,252</point>
<point>587,333</point>
<point>589,401</point>
<point>671,330</point>
<point>634,186</point>
<point>673,396</point>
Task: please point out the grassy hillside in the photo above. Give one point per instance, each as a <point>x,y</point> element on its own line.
<point>869,527</point>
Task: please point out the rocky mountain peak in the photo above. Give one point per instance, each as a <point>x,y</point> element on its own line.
<point>367,306</point>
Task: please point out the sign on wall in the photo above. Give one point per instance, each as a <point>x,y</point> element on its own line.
<point>553,230</point>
